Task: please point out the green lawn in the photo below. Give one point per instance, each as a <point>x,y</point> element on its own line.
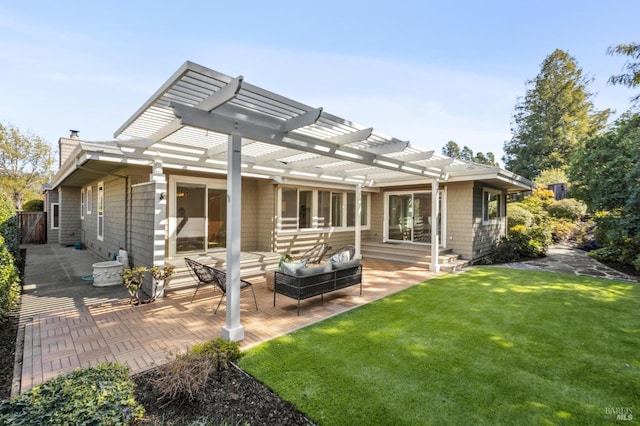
<point>489,346</point>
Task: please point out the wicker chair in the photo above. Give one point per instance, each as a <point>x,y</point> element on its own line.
<point>207,275</point>
<point>315,253</point>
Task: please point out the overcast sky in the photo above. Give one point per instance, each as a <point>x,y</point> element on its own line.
<point>423,71</point>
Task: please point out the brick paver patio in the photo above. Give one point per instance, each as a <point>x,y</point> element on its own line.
<point>144,336</point>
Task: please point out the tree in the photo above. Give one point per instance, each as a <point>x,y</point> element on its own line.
<point>551,176</point>
<point>451,149</point>
<point>605,174</point>
<point>554,119</point>
<point>25,163</point>
<point>631,78</point>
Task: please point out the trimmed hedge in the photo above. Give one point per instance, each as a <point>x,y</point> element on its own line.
<point>9,256</point>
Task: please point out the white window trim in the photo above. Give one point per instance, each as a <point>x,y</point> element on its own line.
<point>174,181</point>
<point>83,200</point>
<point>314,221</point>
<point>100,215</point>
<point>55,206</point>
<point>500,210</point>
<point>89,199</point>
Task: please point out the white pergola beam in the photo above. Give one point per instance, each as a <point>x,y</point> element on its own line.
<point>353,137</point>
<point>388,148</point>
<point>211,102</point>
<point>213,121</point>
<point>302,120</point>
<point>418,156</point>
<point>223,95</point>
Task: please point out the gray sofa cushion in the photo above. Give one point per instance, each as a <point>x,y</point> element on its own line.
<point>305,272</point>
<point>344,265</point>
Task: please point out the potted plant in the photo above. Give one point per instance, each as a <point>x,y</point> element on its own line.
<point>270,275</point>
<point>132,278</point>
<point>159,275</point>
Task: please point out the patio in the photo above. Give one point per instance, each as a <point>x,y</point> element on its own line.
<point>66,323</point>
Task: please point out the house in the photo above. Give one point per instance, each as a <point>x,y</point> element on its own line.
<point>211,164</point>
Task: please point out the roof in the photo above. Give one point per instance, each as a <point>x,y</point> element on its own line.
<point>187,123</point>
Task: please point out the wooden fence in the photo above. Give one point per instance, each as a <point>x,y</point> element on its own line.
<point>33,227</point>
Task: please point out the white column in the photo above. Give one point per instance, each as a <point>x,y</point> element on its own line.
<point>233,330</point>
<point>160,213</point>
<point>358,234</point>
<point>435,213</point>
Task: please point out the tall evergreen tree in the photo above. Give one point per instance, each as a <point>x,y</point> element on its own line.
<point>554,119</point>
<point>451,149</point>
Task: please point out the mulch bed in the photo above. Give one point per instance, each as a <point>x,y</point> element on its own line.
<point>231,397</point>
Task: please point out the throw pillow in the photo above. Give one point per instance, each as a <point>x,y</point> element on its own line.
<point>342,256</point>
<point>290,268</point>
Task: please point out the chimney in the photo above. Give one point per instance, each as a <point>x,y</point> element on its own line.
<point>67,145</point>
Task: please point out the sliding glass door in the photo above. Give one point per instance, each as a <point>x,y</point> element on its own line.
<point>198,221</point>
<point>409,217</point>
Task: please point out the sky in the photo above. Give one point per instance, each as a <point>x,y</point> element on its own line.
<point>423,71</point>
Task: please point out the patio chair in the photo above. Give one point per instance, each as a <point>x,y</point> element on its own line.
<point>344,254</point>
<point>205,274</point>
<point>315,253</point>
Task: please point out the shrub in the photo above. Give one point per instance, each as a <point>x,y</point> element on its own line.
<point>10,227</point>
<point>222,351</point>
<point>187,376</point>
<point>561,229</point>
<point>33,206</point>
<point>97,395</point>
<point>569,208</point>
<point>9,280</point>
<point>518,215</point>
<point>506,251</point>
<point>538,202</point>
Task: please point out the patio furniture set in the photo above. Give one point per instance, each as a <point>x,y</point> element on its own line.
<point>294,279</point>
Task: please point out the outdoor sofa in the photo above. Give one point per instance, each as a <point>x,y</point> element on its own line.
<point>302,283</point>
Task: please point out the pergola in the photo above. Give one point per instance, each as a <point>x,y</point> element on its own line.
<point>203,120</point>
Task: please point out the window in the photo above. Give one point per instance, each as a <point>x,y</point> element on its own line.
<point>336,209</point>
<point>289,208</point>
<point>324,209</point>
<point>364,213</point>
<point>305,209</point>
<point>313,209</point>
<point>55,215</point>
<point>492,205</point>
<point>100,210</point>
<point>82,194</point>
<point>89,199</point>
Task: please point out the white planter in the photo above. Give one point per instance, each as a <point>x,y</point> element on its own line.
<point>107,273</point>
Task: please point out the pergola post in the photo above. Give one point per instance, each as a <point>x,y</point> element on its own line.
<point>435,214</point>
<point>358,233</point>
<point>160,220</point>
<point>233,330</point>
